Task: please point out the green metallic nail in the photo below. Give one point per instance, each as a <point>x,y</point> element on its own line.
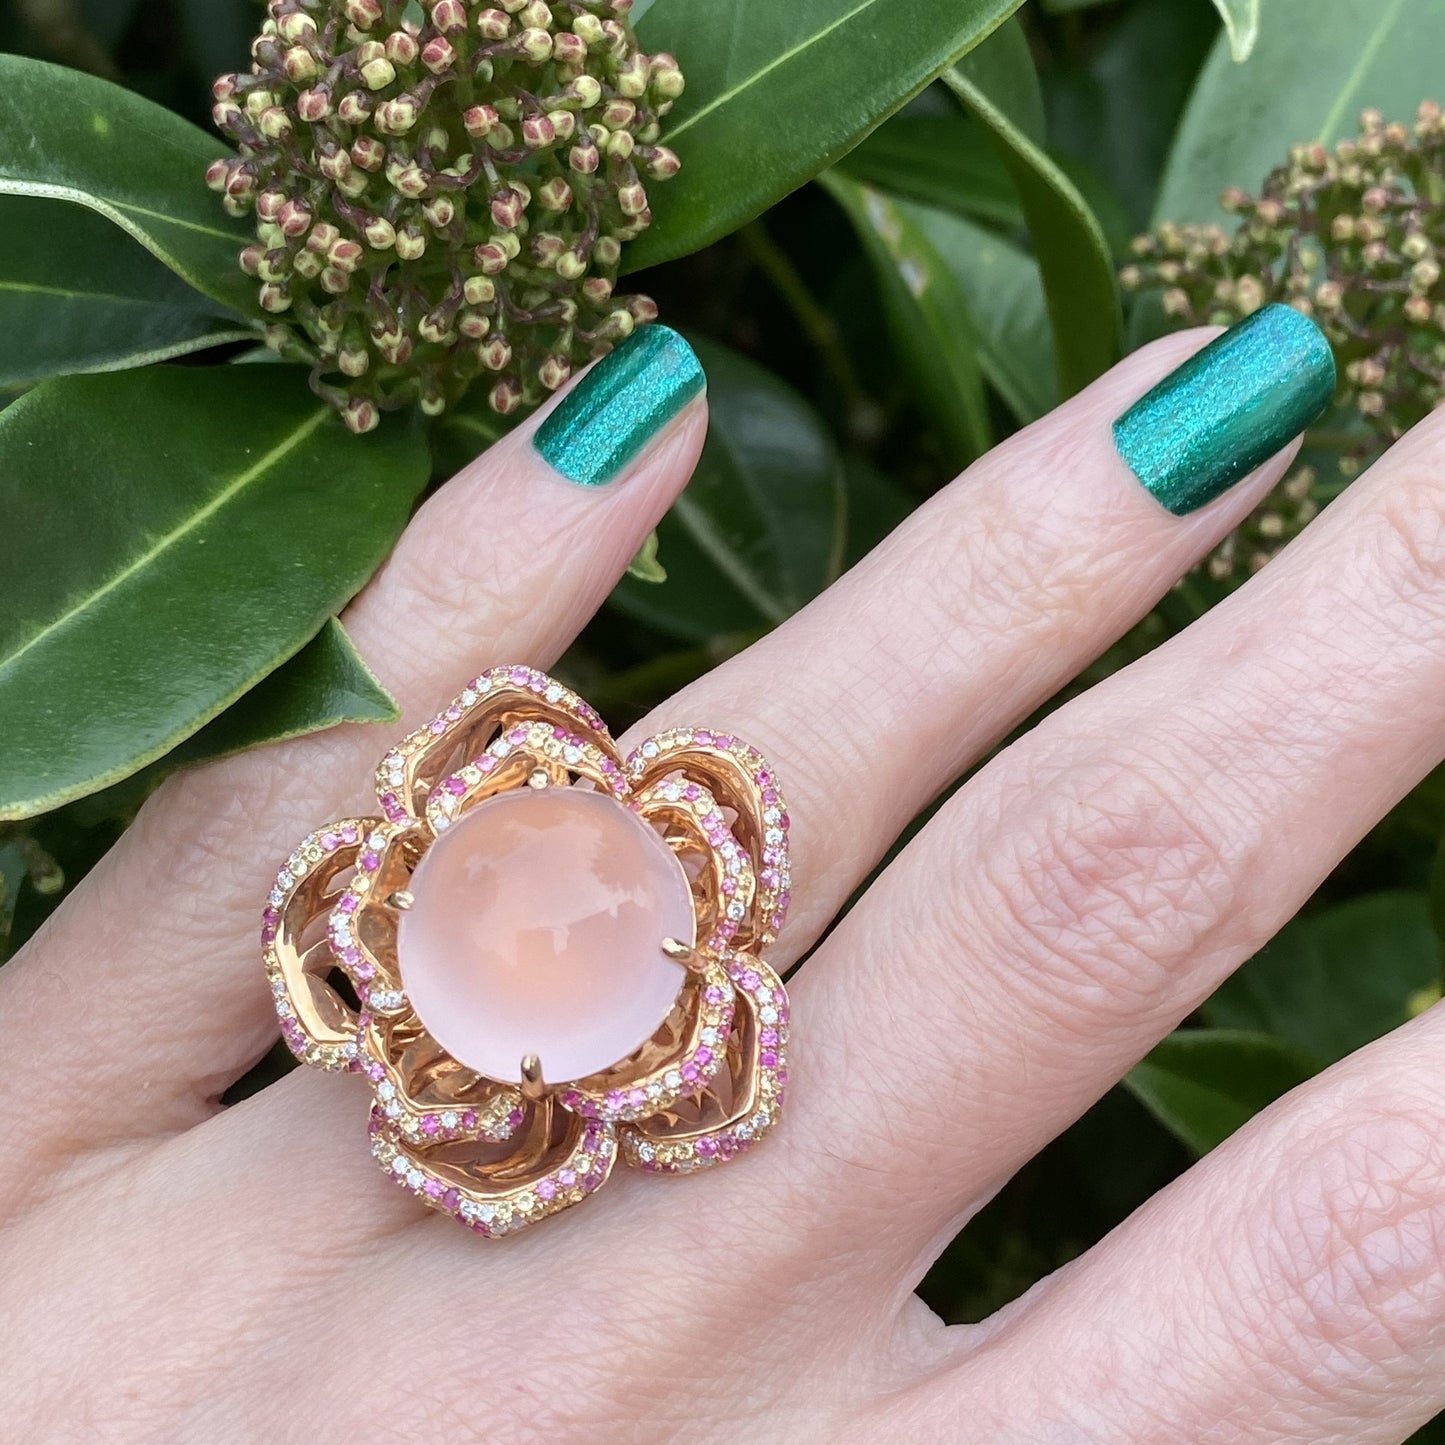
<point>629,396</point>
<point>1229,408</point>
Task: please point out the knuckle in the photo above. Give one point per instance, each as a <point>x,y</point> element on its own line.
<point>1103,887</point>
<point>1404,538</point>
<point>1352,1244</point>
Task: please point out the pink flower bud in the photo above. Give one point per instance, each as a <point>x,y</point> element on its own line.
<point>491,258</point>
<point>440,211</point>
<point>537,131</point>
<point>435,329</point>
<point>227,116</point>
<point>479,120</point>
<point>323,237</point>
<point>620,145</point>
<point>632,198</point>
<point>505,396</point>
<point>409,179</point>
<point>665,78</point>
<point>275,297</point>
<point>296,28</point>
<point>396,117</point>
<point>218,173</point>
<point>269,204</point>
<point>400,48</point>
<point>274,123</point>
<point>478,290</point>
<point>533,45</point>
<point>569,49</point>
<point>586,91</point>
<point>564,124</point>
<point>571,266</point>
<point>507,208</point>
<point>380,234</point>
<point>307,264</point>
<point>335,280</point>
<point>495,354</point>
<point>223,87</point>
<point>662,163</point>
<point>295,218</point>
<point>618,113</point>
<point>345,255</point>
<point>642,308</point>
<point>353,360</point>
<point>334,163</point>
<point>607,251</point>
<point>251,260</point>
<point>360,415</point>
<point>449,16</point>
<point>300,65</point>
<point>368,152</point>
<point>493,25</point>
<point>554,372</point>
<point>411,242</point>
<point>555,195</point>
<point>535,13</point>
<point>315,104</point>
<point>437,54</point>
<point>373,66</point>
<point>473,325</point>
<point>363,13</point>
<point>584,157</point>
<point>354,107</point>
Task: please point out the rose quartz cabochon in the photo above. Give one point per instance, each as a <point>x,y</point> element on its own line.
<point>537,928</point>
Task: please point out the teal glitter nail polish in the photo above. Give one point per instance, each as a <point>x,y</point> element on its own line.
<point>608,417</point>
<point>1229,408</point>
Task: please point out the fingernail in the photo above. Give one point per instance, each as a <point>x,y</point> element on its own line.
<point>626,399</point>
<point>1229,408</point>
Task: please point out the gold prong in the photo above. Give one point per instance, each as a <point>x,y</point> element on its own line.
<point>534,1086</point>
<point>685,954</point>
<point>539,779</point>
<point>401,900</point>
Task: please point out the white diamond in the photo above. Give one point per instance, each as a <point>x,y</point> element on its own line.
<point>284,878</point>
<point>649,750</point>
<point>769,1014</point>
<point>468,698</point>
<point>398,1165</point>
<point>415,1177</point>
<point>386,1090</point>
<point>554,693</point>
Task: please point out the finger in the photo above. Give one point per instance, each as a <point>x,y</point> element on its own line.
<point>1096,881</point>
<point>1291,1287</point>
<point>980,607</point>
<point>144,998</point>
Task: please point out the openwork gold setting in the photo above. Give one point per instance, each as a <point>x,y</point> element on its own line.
<point>499,1155</point>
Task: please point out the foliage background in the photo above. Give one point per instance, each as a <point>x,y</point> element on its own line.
<point>854,368</point>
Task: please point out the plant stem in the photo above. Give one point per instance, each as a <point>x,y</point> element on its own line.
<point>817,324</point>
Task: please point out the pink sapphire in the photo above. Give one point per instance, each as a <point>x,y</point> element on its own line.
<point>536,928</point>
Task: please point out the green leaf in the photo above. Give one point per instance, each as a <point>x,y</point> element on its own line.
<point>964,304</point>
<point>1241,23</point>
<point>1313,70</point>
<point>326,684</point>
<point>1003,68</point>
<point>1331,982</point>
<point>945,161</point>
<point>759,530</point>
<point>1116,102</point>
<point>776,92</point>
<point>73,137</point>
<point>1073,255</point>
<point>172,535</point>
<point>1202,1084</point>
<point>75,296</point>
<point>645,566</point>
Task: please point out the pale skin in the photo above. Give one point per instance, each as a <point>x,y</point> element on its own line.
<point>174,1271</point>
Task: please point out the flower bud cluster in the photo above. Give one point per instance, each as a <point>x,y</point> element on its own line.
<point>1355,237</point>
<point>443,199</point>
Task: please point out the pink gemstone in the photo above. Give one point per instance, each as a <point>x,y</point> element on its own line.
<point>329,842</point>
<point>768,1058</point>
<point>536,928</point>
<point>369,860</point>
<point>433,1188</point>
<point>451,1199</point>
<point>438,725</point>
<point>430,1124</point>
<point>546,1189</point>
<point>469,1119</point>
<point>456,785</point>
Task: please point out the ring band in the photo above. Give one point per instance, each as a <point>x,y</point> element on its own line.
<point>543,956</point>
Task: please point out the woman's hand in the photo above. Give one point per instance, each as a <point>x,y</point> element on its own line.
<point>173,1271</point>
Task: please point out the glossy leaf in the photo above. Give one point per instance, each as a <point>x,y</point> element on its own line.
<point>1203,1084</point>
<point>964,304</point>
<point>776,92</point>
<point>945,161</point>
<point>1073,254</point>
<point>172,535</point>
<point>1241,24</point>
<point>932,326</point>
<point>1331,982</point>
<point>77,296</point>
<point>759,530</point>
<point>73,137</point>
<point>326,684</point>
<point>1116,103</point>
<point>1313,70</point>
